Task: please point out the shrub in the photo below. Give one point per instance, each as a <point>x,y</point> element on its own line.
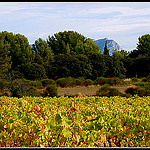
<point>139,90</point>
<point>101,81</point>
<point>118,81</point>
<point>2,85</point>
<point>134,79</point>
<point>21,83</point>
<point>35,71</point>
<point>146,79</point>
<point>106,90</point>
<point>66,82</point>
<point>88,82</point>
<point>36,84</point>
<point>17,92</point>
<point>61,82</point>
<point>51,90</point>
<point>147,86</point>
<point>131,89</point>
<point>110,81</point>
<point>45,82</point>
<point>17,75</point>
<point>80,81</point>
<point>122,76</point>
<point>31,91</point>
<point>24,87</point>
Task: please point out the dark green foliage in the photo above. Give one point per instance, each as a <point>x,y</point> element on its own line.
<point>139,66</point>
<point>20,50</point>
<point>23,87</point>
<point>17,92</point>
<point>66,65</point>
<point>134,79</point>
<point>3,84</point>
<point>5,59</point>
<point>110,81</point>
<point>45,82</point>
<point>80,81</point>
<point>84,67</point>
<point>14,74</point>
<point>66,82</point>
<point>146,79</point>
<point>143,46</point>
<point>65,57</point>
<point>130,90</point>
<point>109,66</point>
<point>71,42</point>
<point>21,82</point>
<point>62,65</point>
<point>43,55</point>
<point>106,90</point>
<point>36,84</point>
<point>101,80</point>
<point>137,63</point>
<point>98,65</point>
<point>118,67</point>
<point>32,91</point>
<point>114,81</point>
<point>35,71</point>
<point>138,90</point>
<point>88,82</point>
<point>106,50</point>
<point>51,90</point>
<point>142,91</point>
<point>118,80</point>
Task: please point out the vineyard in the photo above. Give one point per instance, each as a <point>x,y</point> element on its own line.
<point>75,122</point>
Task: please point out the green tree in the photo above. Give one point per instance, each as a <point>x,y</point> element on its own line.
<point>106,50</point>
<point>137,63</point>
<point>143,45</point>
<point>109,66</point>
<point>66,65</point>
<point>84,67</point>
<point>19,50</point>
<point>35,72</point>
<point>139,66</point>
<point>98,65</point>
<point>71,42</point>
<point>43,55</point>
<point>118,67</point>
<point>5,59</point>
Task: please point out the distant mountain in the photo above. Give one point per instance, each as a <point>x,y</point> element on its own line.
<point>111,45</point>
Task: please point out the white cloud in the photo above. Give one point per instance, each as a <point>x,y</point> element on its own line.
<point>37,35</point>
<point>41,19</point>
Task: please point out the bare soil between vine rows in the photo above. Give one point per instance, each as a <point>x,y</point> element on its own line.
<point>91,90</point>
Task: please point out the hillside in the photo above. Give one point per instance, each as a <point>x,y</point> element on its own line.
<point>111,45</point>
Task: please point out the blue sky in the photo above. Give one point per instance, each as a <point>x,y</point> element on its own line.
<point>123,22</point>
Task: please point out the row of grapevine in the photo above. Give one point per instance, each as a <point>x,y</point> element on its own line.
<point>75,122</point>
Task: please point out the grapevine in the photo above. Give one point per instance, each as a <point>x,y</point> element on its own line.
<point>75,122</point>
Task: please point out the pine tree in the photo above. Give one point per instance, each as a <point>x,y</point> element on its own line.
<point>106,50</point>
<point>5,60</point>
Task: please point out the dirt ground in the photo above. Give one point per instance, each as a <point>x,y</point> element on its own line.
<point>86,90</point>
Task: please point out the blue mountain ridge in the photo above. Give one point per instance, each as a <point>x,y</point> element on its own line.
<point>111,45</point>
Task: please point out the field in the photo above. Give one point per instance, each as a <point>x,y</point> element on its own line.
<point>91,90</point>
<point>88,121</point>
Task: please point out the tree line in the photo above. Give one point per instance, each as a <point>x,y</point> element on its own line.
<point>69,54</point>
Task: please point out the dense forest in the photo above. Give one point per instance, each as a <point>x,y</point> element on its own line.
<point>69,54</point>
<point>65,59</point>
